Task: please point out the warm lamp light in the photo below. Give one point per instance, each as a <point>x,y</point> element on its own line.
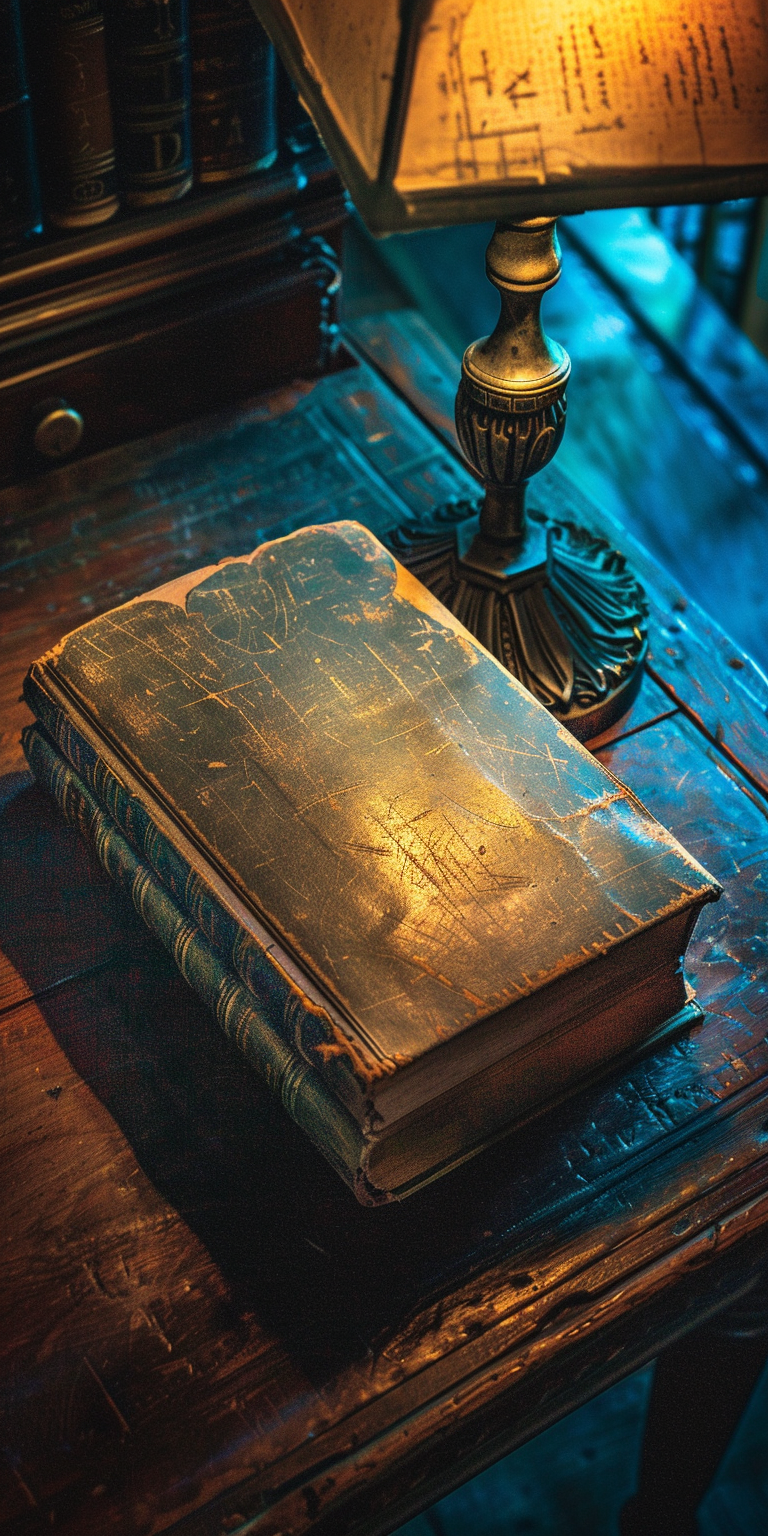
<point>451,111</point>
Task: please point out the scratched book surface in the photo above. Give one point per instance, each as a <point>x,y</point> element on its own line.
<point>414,828</point>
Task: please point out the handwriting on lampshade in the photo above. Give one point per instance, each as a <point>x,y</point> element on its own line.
<point>557,89</point>
<point>539,91</point>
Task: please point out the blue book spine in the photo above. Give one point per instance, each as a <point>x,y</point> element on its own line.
<point>304,1024</point>
<point>244,1020</point>
<point>20,214</point>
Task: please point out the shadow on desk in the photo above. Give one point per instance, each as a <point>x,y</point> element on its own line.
<point>284,1232</point>
<point>185,1263</point>
<point>198,1326</point>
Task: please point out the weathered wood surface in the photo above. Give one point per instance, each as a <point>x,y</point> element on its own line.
<point>699,667</point>
<point>171,311</point>
<point>667,402</point>
<point>680,316</point>
<point>199,1325</point>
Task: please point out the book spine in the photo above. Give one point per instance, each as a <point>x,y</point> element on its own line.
<point>75,113</point>
<point>299,1087</point>
<point>295,128</point>
<point>234,118</point>
<point>148,44</point>
<point>20,213</point>
<point>304,1026</point>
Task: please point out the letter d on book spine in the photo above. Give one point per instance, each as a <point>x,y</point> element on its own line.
<point>148,47</point>
<point>323,1119</point>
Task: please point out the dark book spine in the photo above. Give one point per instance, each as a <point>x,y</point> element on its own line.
<point>234,118</point>
<point>20,212</point>
<point>295,128</point>
<point>73,110</point>
<point>241,1016</point>
<point>301,1023</point>
<point>149,68</point>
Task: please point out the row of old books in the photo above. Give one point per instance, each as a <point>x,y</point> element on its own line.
<point>110,103</point>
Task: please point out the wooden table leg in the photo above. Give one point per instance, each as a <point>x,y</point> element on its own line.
<point>701,1387</point>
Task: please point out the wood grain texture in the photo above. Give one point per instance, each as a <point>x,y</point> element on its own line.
<point>201,1328</point>
<point>700,669</point>
<point>217,333</point>
<point>650,440</point>
<point>177,310</point>
<point>79,540</point>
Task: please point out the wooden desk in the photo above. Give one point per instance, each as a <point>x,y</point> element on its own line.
<point>200,1329</point>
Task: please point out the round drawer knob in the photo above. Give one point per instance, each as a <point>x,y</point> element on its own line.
<point>58,431</point>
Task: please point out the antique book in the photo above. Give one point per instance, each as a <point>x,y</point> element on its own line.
<point>73,112</point>
<point>246,1017</point>
<point>148,51</point>
<point>20,214</point>
<point>234,114</point>
<point>419,905</point>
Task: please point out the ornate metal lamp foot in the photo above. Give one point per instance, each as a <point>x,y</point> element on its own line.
<point>554,603</point>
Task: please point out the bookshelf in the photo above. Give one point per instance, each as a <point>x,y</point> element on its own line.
<point>163,314</point>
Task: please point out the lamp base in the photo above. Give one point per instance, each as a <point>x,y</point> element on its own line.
<point>560,610</point>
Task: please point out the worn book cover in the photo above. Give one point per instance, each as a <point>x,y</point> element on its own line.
<point>234,110</point>
<point>458,913</point>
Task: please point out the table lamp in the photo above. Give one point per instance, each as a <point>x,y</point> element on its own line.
<point>453,111</point>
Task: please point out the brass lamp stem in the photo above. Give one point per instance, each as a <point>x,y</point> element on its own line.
<point>553,602</point>
<point>510,406</point>
<point>502,516</point>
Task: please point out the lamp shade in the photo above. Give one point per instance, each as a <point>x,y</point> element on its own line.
<point>450,111</point>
